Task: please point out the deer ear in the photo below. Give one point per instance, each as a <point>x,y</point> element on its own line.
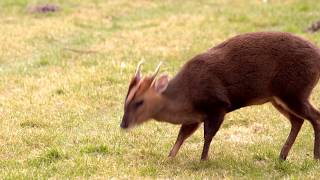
<point>161,83</point>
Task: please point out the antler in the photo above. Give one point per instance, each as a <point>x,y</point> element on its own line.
<point>157,70</point>
<point>138,71</point>
<point>153,77</point>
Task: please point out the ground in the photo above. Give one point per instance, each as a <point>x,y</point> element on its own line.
<point>64,76</point>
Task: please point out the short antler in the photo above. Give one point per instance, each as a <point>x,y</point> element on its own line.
<point>157,70</point>
<point>138,71</point>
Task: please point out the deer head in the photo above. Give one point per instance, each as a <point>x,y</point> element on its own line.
<point>144,97</point>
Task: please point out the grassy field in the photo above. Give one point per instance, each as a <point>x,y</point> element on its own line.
<point>60,109</point>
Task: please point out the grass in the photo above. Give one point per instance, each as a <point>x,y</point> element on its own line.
<point>60,110</point>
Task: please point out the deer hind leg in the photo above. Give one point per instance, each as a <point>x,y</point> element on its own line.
<point>296,123</point>
<point>303,109</point>
<point>185,132</point>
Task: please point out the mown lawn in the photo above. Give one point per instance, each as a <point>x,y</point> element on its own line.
<point>60,109</point>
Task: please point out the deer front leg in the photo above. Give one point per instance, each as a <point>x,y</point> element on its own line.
<point>212,124</point>
<point>185,132</point>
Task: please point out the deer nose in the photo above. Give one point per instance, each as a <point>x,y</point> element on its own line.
<point>124,123</point>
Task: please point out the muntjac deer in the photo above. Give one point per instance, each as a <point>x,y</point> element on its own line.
<point>248,69</point>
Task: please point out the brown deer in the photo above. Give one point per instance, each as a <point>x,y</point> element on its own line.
<point>248,69</point>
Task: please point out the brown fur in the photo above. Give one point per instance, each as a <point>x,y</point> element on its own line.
<point>245,70</point>
<point>138,88</point>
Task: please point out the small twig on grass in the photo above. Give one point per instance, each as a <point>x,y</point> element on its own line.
<point>81,51</point>
<point>44,8</point>
<point>314,27</point>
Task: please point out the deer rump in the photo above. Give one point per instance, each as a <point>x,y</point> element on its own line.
<point>248,69</point>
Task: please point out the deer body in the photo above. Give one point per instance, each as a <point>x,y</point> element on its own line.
<point>245,70</point>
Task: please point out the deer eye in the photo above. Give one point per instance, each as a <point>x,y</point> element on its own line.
<point>138,103</point>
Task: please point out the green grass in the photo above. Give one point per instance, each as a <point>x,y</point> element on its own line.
<point>60,110</point>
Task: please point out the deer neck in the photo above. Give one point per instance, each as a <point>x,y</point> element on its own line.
<point>176,110</point>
